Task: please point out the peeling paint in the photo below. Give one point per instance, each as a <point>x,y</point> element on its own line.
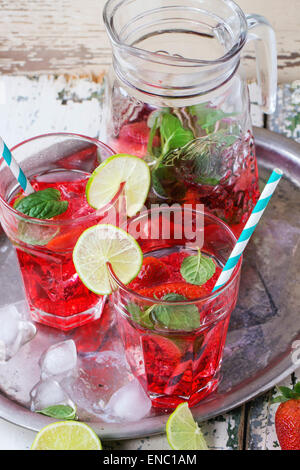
<point>63,37</point>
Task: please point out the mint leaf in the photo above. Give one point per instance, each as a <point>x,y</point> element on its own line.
<point>173,134</point>
<point>139,316</point>
<point>209,266</point>
<point>297,388</point>
<point>172,297</point>
<point>193,271</point>
<point>205,169</point>
<point>208,117</point>
<point>59,412</point>
<point>201,159</point>
<point>207,156</point>
<point>177,317</point>
<point>197,269</point>
<point>43,204</point>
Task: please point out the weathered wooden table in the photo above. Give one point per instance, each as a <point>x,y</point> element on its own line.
<point>34,105</point>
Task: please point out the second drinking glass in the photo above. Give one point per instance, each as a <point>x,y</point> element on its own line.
<point>173,328</point>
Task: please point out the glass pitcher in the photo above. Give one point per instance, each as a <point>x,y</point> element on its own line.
<point>177,97</point>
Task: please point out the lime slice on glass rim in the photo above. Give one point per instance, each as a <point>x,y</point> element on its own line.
<point>102,244</point>
<point>67,435</point>
<point>183,433</point>
<point>105,182</point>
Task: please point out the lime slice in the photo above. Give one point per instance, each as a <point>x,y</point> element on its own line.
<point>183,433</point>
<point>105,182</point>
<point>67,435</point>
<point>104,244</point>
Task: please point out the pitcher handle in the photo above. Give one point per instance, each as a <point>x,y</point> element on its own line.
<point>266,60</point>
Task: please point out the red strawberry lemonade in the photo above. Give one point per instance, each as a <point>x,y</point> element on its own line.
<point>51,283</point>
<point>173,328</point>
<point>45,225</point>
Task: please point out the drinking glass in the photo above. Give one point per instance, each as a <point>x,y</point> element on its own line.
<point>54,292</point>
<point>180,360</point>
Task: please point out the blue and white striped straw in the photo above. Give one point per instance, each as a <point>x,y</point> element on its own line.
<point>249,229</point>
<point>15,168</point>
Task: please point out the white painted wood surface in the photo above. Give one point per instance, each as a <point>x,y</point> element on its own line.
<point>30,106</point>
<point>42,36</point>
<point>33,106</point>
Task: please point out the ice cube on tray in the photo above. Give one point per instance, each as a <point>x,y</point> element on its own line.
<point>48,393</point>
<point>15,332</point>
<point>59,360</point>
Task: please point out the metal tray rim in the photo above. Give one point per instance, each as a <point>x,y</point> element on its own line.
<point>283,151</point>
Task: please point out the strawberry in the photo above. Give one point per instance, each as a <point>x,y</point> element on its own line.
<point>182,288</point>
<point>287,418</point>
<point>136,132</point>
<point>159,277</point>
<point>133,139</point>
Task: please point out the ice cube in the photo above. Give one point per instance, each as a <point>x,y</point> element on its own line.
<point>129,403</point>
<point>99,375</point>
<point>14,332</point>
<point>59,360</point>
<point>48,393</point>
<point>112,371</point>
<point>110,359</point>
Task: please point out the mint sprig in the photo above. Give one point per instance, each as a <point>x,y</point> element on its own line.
<point>201,157</point>
<point>173,317</point>
<point>197,269</point>
<point>65,412</point>
<point>43,204</point>
<point>172,133</point>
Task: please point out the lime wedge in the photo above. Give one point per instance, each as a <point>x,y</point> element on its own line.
<point>67,435</point>
<point>104,244</point>
<point>183,433</point>
<point>105,182</point>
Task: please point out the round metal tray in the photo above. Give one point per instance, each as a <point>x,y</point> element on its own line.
<point>263,327</point>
